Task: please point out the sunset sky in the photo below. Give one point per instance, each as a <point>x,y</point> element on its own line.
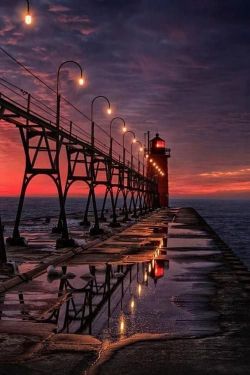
<point>177,67</point>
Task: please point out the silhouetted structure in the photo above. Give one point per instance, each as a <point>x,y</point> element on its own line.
<point>42,133</point>
<point>160,154</point>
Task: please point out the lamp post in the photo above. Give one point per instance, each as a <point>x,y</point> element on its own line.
<point>145,180</point>
<point>58,96</point>
<point>124,129</point>
<point>141,149</point>
<point>125,208</point>
<point>111,122</point>
<point>123,143</point>
<point>109,111</point>
<point>62,227</point>
<point>96,229</point>
<point>132,172</point>
<point>114,223</point>
<point>28,18</point>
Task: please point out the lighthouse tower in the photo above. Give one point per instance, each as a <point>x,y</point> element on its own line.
<point>158,155</point>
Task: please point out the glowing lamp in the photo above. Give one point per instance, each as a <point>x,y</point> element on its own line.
<point>147,156</point>
<point>154,164</point>
<point>160,144</point>
<point>81,81</point>
<point>151,160</point>
<point>124,129</point>
<point>28,19</point>
<point>141,149</point>
<point>134,140</point>
<point>109,111</point>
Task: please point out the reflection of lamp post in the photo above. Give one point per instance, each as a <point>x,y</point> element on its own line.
<point>28,18</point>
<point>132,304</point>
<point>122,325</point>
<point>92,116</point>
<point>139,290</point>
<point>124,129</point>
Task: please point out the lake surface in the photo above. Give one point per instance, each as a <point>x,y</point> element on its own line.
<point>230,218</point>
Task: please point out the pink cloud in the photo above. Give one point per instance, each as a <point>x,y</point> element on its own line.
<point>66,18</point>
<point>58,8</point>
<point>218,174</point>
<point>88,30</point>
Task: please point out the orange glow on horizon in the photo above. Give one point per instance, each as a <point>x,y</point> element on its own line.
<point>12,173</point>
<point>228,183</point>
<point>43,185</point>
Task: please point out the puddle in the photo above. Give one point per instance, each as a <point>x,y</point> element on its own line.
<point>190,242</point>
<point>110,297</point>
<point>112,301</point>
<point>79,295</point>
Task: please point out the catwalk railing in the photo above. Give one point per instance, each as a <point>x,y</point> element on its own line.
<point>43,136</point>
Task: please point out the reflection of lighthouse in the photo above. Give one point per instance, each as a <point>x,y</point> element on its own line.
<point>160,154</point>
<point>157,271</point>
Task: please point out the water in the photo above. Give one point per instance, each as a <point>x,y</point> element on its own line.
<point>229,218</point>
<point>38,207</point>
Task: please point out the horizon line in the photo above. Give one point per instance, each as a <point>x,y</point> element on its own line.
<point>171,198</point>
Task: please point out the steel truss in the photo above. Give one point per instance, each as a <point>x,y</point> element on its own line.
<point>88,164</point>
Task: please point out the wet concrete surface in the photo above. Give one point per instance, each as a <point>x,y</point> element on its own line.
<point>204,283</point>
<point>42,242</point>
<point>177,303</point>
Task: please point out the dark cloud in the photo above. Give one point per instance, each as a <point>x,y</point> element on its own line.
<point>181,67</point>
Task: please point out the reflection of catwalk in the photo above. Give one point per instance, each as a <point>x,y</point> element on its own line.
<point>88,301</point>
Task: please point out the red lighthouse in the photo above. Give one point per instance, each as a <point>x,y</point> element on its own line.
<point>158,160</point>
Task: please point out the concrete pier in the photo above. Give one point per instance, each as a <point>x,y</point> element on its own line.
<point>189,318</point>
